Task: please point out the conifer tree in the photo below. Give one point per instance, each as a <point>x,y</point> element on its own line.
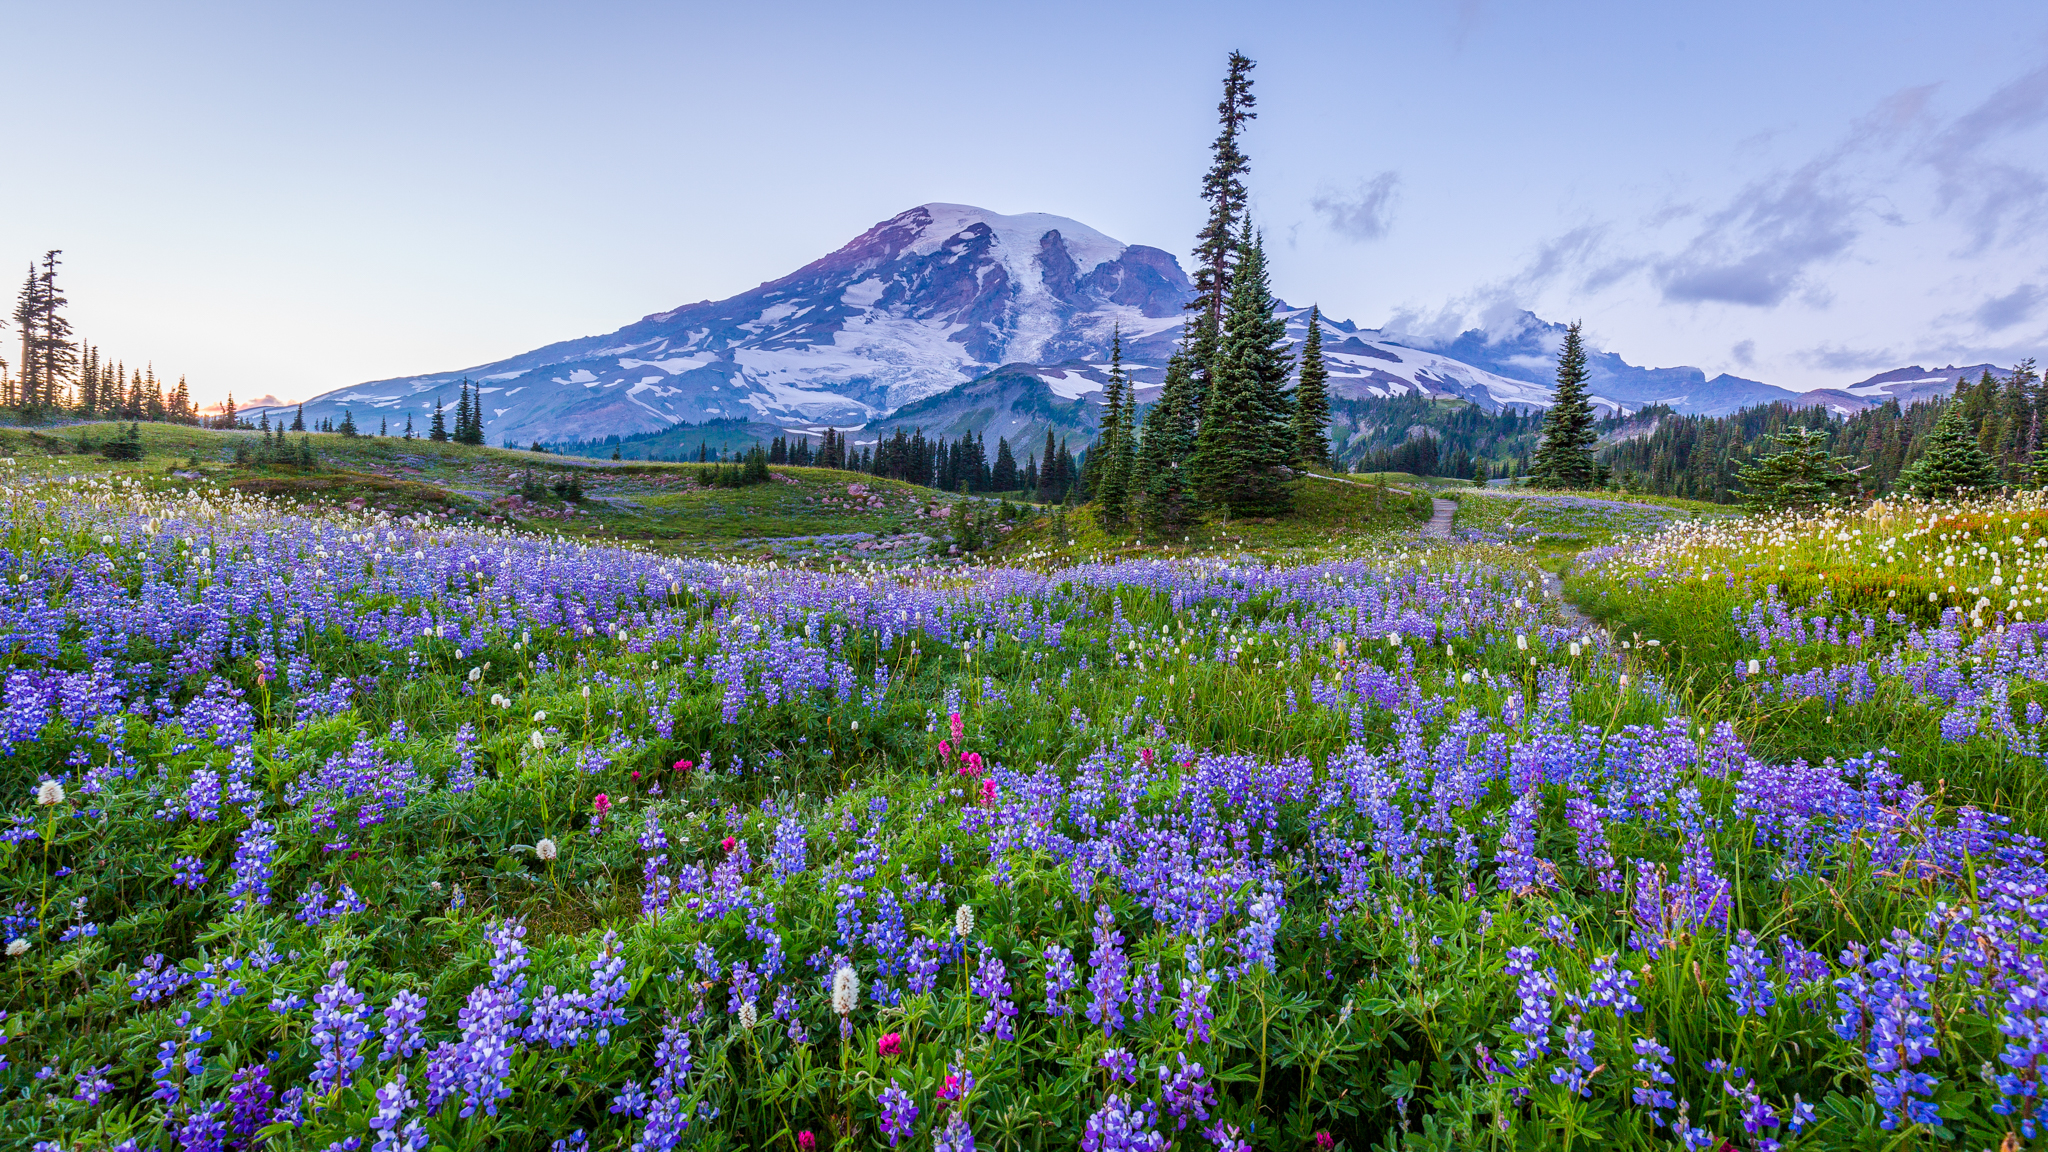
<point>1113,458</point>
<point>1312,398</point>
<point>56,353</point>
<point>1161,480</point>
<point>408,425</point>
<point>1804,474</point>
<point>299,419</point>
<point>1004,476</point>
<point>348,423</point>
<point>27,313</point>
<point>437,428</point>
<point>1247,430</point>
<point>1952,460</point>
<point>1216,245</point>
<point>1565,459</point>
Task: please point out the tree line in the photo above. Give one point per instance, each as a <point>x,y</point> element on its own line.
<point>57,374</point>
<point>1704,457</point>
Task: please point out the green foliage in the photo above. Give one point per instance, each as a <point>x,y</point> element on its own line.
<point>1113,458</point>
<point>1802,476</point>
<point>1312,398</point>
<point>1951,461</point>
<point>1247,430</point>
<point>1565,459</point>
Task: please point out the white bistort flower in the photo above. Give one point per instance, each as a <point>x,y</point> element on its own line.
<point>49,793</point>
<point>749,1015</point>
<point>17,946</point>
<point>845,990</point>
<point>545,849</point>
<point>963,920</point>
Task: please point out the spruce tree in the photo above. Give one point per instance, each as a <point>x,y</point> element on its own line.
<point>1803,475</point>
<point>348,423</point>
<point>408,425</point>
<point>1312,398</point>
<point>1112,458</point>
<point>1161,473</point>
<point>1565,459</point>
<point>56,353</point>
<point>1247,431</point>
<point>1004,477</point>
<point>1216,245</point>
<point>437,428</point>
<point>1952,460</point>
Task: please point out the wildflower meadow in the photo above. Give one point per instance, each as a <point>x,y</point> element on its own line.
<point>350,831</point>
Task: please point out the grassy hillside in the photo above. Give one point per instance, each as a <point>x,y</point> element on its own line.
<point>801,512</point>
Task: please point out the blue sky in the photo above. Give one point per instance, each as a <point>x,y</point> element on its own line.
<point>289,198</point>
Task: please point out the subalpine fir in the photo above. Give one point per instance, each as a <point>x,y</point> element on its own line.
<point>1312,398</point>
<point>1113,457</point>
<point>1952,461</point>
<point>1247,432</point>
<point>1566,458</point>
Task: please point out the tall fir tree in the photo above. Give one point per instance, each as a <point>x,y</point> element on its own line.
<point>1216,245</point>
<point>1161,473</point>
<point>1312,398</point>
<point>1803,475</point>
<point>1247,430</point>
<point>1112,456</point>
<point>56,352</point>
<point>28,313</point>
<point>437,428</point>
<point>299,419</point>
<point>1565,459</point>
<point>1952,460</point>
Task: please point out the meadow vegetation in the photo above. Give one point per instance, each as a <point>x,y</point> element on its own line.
<point>336,822</point>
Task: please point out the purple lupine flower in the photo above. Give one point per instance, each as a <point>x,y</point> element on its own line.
<point>1749,976</point>
<point>1517,867</point>
<point>249,1096</point>
<point>786,858</point>
<point>1579,1064</point>
<point>1194,1015</point>
<point>899,1114</point>
<point>189,873</point>
<point>1106,984</point>
<point>992,983</point>
<point>1594,853</point>
<point>394,1132</point>
<point>339,1030</point>
<point>1186,1092</point>
<point>1060,979</point>
<point>1120,1065</point>
<point>402,1017</point>
<point>1653,1060</point>
<point>255,847</point>
<point>956,1136</point>
<point>1120,1126</point>
<point>1612,987</point>
<point>1534,988</point>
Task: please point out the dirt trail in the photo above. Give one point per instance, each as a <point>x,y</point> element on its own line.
<point>1439,526</point>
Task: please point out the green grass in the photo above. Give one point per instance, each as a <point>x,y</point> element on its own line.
<point>660,506</point>
<point>1328,516</point>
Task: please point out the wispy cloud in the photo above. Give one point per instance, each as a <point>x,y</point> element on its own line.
<point>1978,181</point>
<point>1837,358</point>
<point>1362,213</point>
<point>2001,312</point>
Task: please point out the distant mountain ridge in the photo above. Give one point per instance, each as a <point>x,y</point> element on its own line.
<point>959,318</point>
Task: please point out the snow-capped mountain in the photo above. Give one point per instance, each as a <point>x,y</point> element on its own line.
<point>920,303</point>
<point>906,323</point>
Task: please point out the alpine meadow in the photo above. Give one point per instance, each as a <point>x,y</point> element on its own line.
<point>992,689</point>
